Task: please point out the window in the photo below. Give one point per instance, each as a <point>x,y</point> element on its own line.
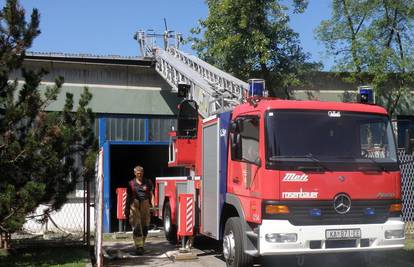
<point>125,129</point>
<point>159,128</point>
<point>245,140</point>
<point>375,140</point>
<point>339,140</point>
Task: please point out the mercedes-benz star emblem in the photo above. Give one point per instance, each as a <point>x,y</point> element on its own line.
<point>342,178</point>
<point>342,203</point>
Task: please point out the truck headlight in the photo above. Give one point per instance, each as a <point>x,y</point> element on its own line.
<point>281,238</point>
<point>394,234</point>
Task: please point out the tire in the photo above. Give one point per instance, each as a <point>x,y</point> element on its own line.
<point>233,248</point>
<point>170,229</point>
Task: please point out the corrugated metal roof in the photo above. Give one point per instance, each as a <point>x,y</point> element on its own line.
<point>80,55</point>
<point>91,58</point>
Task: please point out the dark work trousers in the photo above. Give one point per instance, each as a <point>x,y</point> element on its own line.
<point>139,218</point>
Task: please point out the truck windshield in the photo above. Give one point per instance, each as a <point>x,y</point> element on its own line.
<point>330,139</point>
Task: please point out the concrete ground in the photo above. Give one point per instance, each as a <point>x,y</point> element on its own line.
<point>120,252</point>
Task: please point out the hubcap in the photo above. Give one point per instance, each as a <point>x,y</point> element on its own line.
<point>228,247</point>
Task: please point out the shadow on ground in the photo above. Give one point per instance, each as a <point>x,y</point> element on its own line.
<point>394,259</point>
<point>397,258</point>
<point>208,251</point>
<point>123,253</point>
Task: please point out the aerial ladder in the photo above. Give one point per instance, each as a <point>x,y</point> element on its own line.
<point>212,89</point>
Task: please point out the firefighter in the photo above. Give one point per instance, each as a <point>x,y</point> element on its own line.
<point>139,198</point>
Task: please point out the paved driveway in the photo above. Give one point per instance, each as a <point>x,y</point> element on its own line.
<point>159,253</point>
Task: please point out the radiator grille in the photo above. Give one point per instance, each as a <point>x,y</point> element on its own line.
<point>300,214</point>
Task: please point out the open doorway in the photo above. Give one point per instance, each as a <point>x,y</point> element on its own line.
<point>123,159</point>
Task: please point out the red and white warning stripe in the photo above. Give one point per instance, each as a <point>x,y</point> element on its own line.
<point>189,214</point>
<point>124,199</point>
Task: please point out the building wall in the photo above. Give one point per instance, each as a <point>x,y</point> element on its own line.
<point>132,103</point>
<point>116,88</point>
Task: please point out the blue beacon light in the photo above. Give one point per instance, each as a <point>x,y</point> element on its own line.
<point>369,212</point>
<point>315,212</point>
<point>257,87</point>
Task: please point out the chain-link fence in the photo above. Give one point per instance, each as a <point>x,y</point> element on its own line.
<point>71,224</point>
<point>407,189</point>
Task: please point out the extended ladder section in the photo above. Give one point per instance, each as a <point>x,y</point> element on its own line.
<point>213,90</point>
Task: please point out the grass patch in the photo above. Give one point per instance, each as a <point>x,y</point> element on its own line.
<point>409,244</point>
<point>3,253</point>
<point>64,256</point>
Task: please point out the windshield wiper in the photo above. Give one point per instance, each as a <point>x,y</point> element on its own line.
<point>276,158</point>
<point>378,165</point>
<point>345,157</point>
<point>308,156</point>
<point>316,160</point>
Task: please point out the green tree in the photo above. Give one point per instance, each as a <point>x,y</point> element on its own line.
<point>252,39</point>
<point>38,149</point>
<point>373,41</point>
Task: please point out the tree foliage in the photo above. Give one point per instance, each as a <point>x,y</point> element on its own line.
<point>252,39</point>
<point>38,149</point>
<point>373,40</point>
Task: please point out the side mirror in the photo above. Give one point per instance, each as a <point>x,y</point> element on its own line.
<point>236,126</point>
<point>408,142</point>
<point>233,127</point>
<point>236,147</point>
<point>240,125</point>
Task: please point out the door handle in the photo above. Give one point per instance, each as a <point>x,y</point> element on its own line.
<point>236,180</point>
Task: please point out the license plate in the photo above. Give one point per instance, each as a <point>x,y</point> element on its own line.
<point>343,234</point>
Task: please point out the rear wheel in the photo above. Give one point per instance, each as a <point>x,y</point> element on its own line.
<point>233,249</point>
<point>170,229</point>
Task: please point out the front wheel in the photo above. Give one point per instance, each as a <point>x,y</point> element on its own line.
<point>170,229</point>
<point>233,249</point>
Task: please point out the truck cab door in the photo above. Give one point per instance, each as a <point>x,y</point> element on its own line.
<point>244,150</point>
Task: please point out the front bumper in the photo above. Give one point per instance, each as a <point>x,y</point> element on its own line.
<point>372,238</point>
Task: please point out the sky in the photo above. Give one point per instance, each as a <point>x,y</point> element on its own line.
<point>106,27</point>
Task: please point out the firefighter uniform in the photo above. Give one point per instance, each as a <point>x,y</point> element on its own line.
<point>138,200</point>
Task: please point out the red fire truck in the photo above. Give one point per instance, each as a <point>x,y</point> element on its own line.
<point>280,177</point>
<point>276,177</point>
